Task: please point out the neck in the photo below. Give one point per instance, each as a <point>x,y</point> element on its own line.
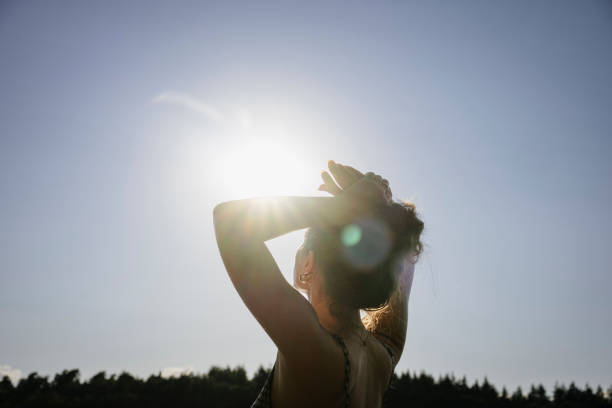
<point>336,318</point>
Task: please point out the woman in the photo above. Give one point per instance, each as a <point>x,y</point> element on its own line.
<point>358,254</point>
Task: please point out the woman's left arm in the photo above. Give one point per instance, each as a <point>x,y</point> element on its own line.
<point>241,228</point>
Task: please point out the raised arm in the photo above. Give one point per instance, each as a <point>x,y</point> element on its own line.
<point>389,324</point>
<point>243,226</point>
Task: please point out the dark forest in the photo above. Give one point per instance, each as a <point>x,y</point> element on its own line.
<point>231,387</point>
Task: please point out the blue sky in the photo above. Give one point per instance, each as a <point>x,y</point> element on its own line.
<point>122,125</point>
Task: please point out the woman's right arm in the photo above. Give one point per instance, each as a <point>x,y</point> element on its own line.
<point>242,227</point>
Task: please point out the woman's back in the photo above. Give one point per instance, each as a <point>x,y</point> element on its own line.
<point>371,369</point>
<point>362,363</point>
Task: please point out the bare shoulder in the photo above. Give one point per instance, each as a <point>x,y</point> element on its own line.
<point>320,368</point>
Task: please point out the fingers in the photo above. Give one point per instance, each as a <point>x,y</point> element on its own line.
<point>384,183</point>
<point>352,171</point>
<point>328,184</point>
<point>343,175</point>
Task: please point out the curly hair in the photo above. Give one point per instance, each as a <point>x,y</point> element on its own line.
<point>360,261</point>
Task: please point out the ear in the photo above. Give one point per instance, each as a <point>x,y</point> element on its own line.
<point>309,262</point>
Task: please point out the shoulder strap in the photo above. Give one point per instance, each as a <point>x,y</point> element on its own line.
<point>264,399</point>
<point>391,354</point>
<point>393,362</point>
<point>347,369</point>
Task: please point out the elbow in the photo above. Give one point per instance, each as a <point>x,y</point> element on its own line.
<point>228,221</point>
<point>219,210</point>
<point>220,219</point>
<point>223,212</point>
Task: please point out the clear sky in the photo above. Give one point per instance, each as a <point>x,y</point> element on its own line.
<point>122,124</point>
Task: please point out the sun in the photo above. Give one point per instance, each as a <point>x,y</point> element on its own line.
<point>264,167</point>
<point>267,151</point>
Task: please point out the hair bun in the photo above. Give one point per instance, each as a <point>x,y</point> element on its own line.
<point>360,260</point>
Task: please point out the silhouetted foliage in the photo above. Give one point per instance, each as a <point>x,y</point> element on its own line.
<point>230,387</point>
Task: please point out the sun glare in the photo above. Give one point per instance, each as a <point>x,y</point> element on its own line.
<point>263,151</point>
<point>262,167</point>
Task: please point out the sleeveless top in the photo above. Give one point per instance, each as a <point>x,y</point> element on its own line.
<point>264,399</point>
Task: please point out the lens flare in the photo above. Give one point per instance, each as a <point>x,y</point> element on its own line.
<point>351,235</point>
<point>366,243</point>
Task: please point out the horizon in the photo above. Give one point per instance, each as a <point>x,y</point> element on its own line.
<point>178,372</point>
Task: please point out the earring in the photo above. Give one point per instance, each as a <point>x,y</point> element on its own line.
<point>304,277</point>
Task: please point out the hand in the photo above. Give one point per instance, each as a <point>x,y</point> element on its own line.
<point>347,177</point>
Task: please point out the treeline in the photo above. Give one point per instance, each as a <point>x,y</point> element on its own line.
<point>227,387</point>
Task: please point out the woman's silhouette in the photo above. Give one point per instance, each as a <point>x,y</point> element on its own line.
<point>358,254</point>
